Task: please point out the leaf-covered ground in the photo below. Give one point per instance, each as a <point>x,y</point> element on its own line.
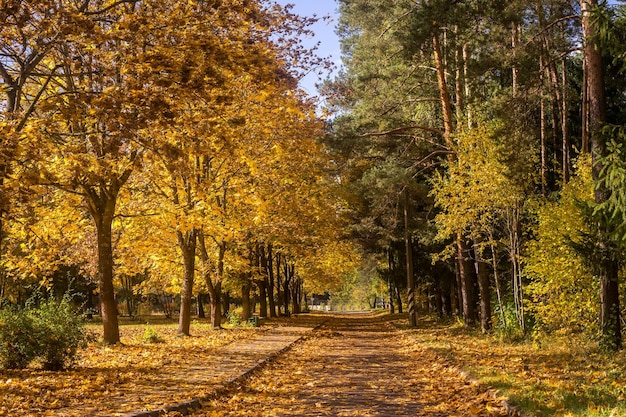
<point>356,366</point>
<point>353,366</point>
<point>113,380</point>
<point>567,376</point>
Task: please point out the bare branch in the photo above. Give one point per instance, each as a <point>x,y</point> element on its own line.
<point>403,129</point>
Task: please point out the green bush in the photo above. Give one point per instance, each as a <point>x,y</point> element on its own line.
<point>18,341</point>
<point>235,317</point>
<point>51,331</point>
<point>150,335</point>
<point>61,332</point>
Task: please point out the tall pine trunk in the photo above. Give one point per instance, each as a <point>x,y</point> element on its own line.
<point>465,271</point>
<point>596,106</point>
<point>410,278</point>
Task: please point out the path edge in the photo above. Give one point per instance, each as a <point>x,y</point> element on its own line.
<point>511,410</point>
<point>188,407</point>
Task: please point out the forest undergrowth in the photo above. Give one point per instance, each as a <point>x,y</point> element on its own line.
<point>544,376</point>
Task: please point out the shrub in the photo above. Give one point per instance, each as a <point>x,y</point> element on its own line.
<point>61,332</point>
<point>150,335</point>
<point>18,341</point>
<point>52,332</point>
<point>235,317</point>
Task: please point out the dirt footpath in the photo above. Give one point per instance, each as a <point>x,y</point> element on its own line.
<point>355,365</point>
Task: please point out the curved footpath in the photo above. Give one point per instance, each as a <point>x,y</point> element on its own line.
<point>354,365</point>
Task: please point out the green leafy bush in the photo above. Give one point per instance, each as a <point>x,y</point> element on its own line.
<point>235,317</point>
<point>150,335</point>
<point>51,331</point>
<point>61,332</point>
<point>18,341</point>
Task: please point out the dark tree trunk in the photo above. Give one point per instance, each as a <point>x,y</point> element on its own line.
<point>270,282</point>
<point>410,278</point>
<point>466,274</point>
<point>262,285</point>
<point>214,285</point>
<point>279,295</point>
<point>596,106</point>
<point>446,298</point>
<point>215,300</point>
<point>286,286</point>
<point>108,305</point>
<point>101,205</point>
<point>200,306</point>
<point>187,243</point>
<point>296,296</point>
<point>390,279</point>
<point>225,303</point>
<point>399,300</point>
<point>245,301</point>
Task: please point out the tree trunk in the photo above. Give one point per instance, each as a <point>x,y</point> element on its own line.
<point>399,300</point>
<point>485,294</point>
<point>410,278</point>
<point>200,306</point>
<point>586,142</point>
<point>286,287</point>
<point>101,205</point>
<point>468,293</point>
<point>270,282</point>
<point>465,275</point>
<point>609,284</point>
<point>446,288</point>
<point>108,305</point>
<point>215,298</point>
<point>225,303</point>
<point>245,301</point>
<point>514,253</point>
<point>262,285</point>
<point>187,243</point>
<point>390,281</point>
<point>279,295</point>
<point>564,129</point>
<point>214,285</point>
<point>542,135</point>
<point>295,307</point>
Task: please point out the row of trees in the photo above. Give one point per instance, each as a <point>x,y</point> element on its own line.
<point>161,137</point>
<point>462,128</point>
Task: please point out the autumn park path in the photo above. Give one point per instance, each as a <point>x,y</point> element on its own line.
<point>355,365</point>
<point>179,386</point>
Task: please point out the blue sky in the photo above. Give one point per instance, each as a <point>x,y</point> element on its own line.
<point>324,33</point>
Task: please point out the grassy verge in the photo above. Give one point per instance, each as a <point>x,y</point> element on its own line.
<point>545,377</point>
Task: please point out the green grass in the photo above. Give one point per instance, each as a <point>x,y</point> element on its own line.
<point>558,376</point>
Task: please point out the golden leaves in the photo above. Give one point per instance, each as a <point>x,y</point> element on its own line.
<point>110,380</point>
